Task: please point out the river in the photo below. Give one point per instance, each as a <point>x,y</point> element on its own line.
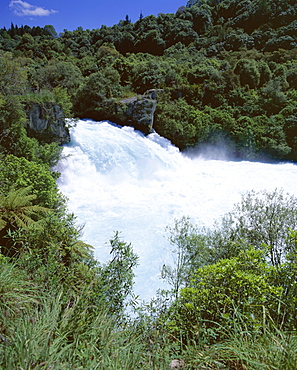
<point>117,179</point>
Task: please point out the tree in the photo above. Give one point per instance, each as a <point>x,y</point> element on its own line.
<point>14,139</point>
<point>50,30</point>
<point>148,75</point>
<point>64,74</point>
<point>13,77</point>
<point>149,41</point>
<point>235,292</point>
<point>179,30</point>
<point>202,17</point>
<point>248,73</point>
<point>291,75</point>
<point>19,172</point>
<point>27,45</point>
<point>262,219</point>
<point>117,275</point>
<point>99,88</point>
<point>17,211</point>
<point>189,253</point>
<point>274,98</point>
<point>265,73</point>
<point>181,123</point>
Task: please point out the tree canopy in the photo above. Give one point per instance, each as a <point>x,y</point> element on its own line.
<point>226,71</point>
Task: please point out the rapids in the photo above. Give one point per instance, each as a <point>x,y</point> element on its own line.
<point>117,179</point>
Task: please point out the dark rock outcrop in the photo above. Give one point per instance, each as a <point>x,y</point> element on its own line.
<point>140,115</point>
<point>139,111</point>
<point>47,123</point>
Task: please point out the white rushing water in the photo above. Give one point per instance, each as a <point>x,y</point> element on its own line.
<point>116,179</point>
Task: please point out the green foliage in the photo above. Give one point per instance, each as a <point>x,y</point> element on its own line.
<point>56,258</point>
<point>148,75</point>
<point>274,349</point>
<point>94,94</point>
<point>202,18</point>
<point>117,275</point>
<point>189,253</point>
<point>106,55</point>
<point>44,98</point>
<point>230,291</point>
<point>248,73</point>
<point>17,293</point>
<point>40,338</point>
<point>17,209</point>
<point>148,36</point>
<point>12,111</point>
<point>17,212</point>
<point>226,55</point>
<point>20,173</point>
<point>182,123</point>
<point>70,310</point>
<point>238,276</point>
<point>13,78</point>
<point>228,73</point>
<point>264,220</point>
<point>59,74</point>
<point>15,141</point>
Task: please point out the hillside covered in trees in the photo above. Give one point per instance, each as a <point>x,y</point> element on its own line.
<point>226,72</point>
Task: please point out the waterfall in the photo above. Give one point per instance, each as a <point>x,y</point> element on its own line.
<point>117,179</point>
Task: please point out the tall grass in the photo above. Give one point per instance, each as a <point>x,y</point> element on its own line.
<point>268,348</point>
<point>46,339</point>
<point>53,336</point>
<point>16,291</point>
<point>273,350</point>
<point>49,331</point>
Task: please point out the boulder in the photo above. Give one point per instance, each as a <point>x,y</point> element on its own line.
<point>140,114</point>
<point>47,123</point>
<point>139,111</point>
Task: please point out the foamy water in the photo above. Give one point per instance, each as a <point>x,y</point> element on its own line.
<point>116,179</point>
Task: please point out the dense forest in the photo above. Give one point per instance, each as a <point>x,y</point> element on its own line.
<point>225,72</point>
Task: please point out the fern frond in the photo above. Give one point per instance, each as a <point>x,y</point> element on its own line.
<point>16,208</point>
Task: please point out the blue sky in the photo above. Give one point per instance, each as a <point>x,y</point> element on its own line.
<point>89,14</point>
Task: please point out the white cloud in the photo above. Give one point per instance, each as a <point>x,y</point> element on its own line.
<point>22,8</point>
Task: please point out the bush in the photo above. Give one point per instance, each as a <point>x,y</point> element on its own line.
<point>232,291</point>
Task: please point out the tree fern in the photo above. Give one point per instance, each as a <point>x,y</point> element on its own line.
<point>18,212</point>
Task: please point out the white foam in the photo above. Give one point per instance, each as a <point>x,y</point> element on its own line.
<point>116,179</point>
